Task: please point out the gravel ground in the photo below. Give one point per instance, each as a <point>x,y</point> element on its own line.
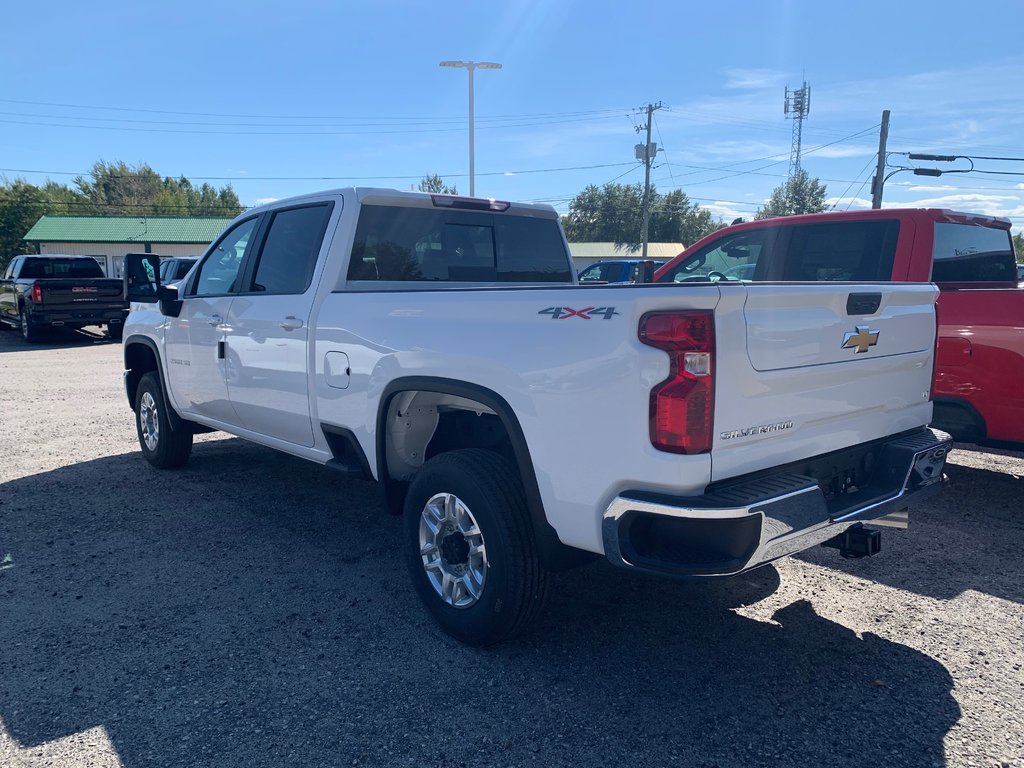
<point>251,610</point>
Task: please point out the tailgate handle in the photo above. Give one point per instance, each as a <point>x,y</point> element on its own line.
<point>863,303</point>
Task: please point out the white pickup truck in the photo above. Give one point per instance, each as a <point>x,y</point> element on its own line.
<point>523,423</point>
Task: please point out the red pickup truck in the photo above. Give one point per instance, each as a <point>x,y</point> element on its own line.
<point>978,386</point>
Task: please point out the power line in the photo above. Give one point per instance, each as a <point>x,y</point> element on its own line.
<point>331,178</point>
<point>850,186</point>
<point>375,132</point>
<point>658,128</point>
<point>303,117</point>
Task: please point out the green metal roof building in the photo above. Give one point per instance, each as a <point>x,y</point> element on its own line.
<point>108,238</point>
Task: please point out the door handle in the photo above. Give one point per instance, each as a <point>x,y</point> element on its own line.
<point>214,320</point>
<point>291,323</point>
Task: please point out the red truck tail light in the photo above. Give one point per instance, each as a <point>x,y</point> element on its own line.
<point>683,405</point>
<point>37,294</point>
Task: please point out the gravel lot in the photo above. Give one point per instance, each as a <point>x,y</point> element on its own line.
<point>251,609</point>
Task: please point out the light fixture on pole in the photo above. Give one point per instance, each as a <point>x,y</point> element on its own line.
<point>469,66</point>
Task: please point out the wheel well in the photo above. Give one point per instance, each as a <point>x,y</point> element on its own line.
<point>422,417</point>
<point>421,425</point>
<point>139,360</point>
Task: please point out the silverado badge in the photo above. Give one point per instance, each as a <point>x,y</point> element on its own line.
<point>860,339</point>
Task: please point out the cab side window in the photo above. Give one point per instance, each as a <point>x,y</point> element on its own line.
<point>289,254</point>
<point>219,270</point>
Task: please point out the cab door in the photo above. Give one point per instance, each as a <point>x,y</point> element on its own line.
<point>194,340</point>
<point>267,350</point>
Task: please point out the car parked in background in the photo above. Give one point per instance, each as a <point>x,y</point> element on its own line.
<point>1020,273</point>
<point>617,271</point>
<point>980,355</point>
<point>174,269</point>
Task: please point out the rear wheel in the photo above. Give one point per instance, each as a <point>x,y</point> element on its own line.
<point>115,331</point>
<point>470,547</point>
<point>29,332</point>
<point>163,446</point>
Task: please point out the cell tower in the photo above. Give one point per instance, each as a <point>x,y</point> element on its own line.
<point>796,107</point>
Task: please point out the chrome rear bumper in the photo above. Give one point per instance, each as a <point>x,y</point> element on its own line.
<point>742,524</point>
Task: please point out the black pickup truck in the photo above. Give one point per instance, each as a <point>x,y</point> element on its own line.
<point>42,292</point>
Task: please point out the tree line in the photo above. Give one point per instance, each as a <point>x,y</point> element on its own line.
<point>608,213</point>
<point>110,189</point>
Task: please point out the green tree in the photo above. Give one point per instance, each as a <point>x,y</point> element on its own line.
<point>1018,246</point>
<point>799,194</point>
<point>21,205</point>
<point>119,189</point>
<point>614,213</point>
<point>434,183</point>
<point>110,189</point>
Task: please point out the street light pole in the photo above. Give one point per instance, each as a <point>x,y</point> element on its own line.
<point>470,66</point>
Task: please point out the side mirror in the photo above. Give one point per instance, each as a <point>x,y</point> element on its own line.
<point>170,301</point>
<point>142,277</point>
<point>643,272</point>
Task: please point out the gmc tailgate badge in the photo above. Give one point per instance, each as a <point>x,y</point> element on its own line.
<point>860,339</point>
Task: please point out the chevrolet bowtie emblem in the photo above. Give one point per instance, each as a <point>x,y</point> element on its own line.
<point>860,339</point>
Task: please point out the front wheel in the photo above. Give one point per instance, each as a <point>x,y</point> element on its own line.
<point>470,547</point>
<point>163,446</point>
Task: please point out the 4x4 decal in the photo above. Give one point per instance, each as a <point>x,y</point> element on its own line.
<point>564,313</point>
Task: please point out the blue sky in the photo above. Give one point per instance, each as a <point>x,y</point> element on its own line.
<point>260,93</point>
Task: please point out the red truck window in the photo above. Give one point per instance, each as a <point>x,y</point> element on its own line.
<point>840,251</point>
<point>965,253</point>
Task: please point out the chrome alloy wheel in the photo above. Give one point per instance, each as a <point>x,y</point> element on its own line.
<point>149,421</point>
<point>452,550</point>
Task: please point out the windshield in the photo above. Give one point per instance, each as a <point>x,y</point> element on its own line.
<point>730,258</point>
<point>609,272</point>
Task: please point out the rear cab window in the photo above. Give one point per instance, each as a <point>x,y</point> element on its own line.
<point>972,254</point>
<point>414,245</point>
<point>51,268</point>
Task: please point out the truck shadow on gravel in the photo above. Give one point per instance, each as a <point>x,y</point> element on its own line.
<point>251,610</point>
<point>11,340</point>
<point>969,537</point>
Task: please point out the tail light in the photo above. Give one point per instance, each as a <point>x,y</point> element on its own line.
<point>37,294</point>
<point>682,406</point>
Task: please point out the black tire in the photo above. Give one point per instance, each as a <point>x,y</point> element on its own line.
<point>164,448</point>
<point>32,334</point>
<point>516,585</point>
<point>115,331</point>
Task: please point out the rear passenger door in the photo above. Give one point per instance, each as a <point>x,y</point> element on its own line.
<point>266,350</point>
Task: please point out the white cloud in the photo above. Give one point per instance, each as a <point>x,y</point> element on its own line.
<point>839,151</point>
<point>1010,206</point>
<point>753,78</point>
<point>726,211</point>
<point>847,203</point>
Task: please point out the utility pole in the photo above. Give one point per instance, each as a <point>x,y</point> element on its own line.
<point>876,183</point>
<point>646,152</point>
<point>796,107</point>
